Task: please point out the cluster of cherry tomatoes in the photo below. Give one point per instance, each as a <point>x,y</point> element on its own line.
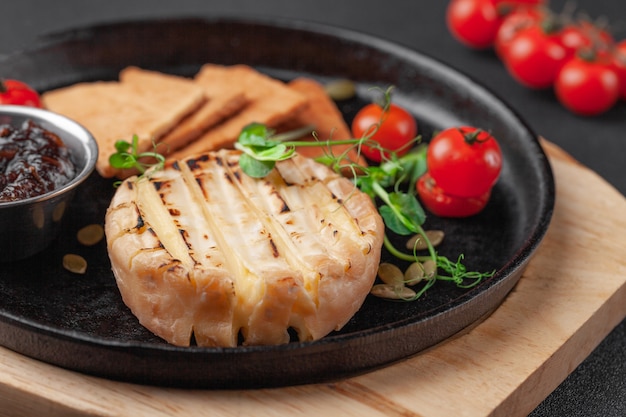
<point>581,61</point>
<point>463,163</point>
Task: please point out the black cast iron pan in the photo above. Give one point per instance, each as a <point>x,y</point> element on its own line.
<point>80,322</point>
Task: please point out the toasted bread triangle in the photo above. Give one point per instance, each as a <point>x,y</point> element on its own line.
<point>222,101</point>
<point>270,102</point>
<point>113,110</point>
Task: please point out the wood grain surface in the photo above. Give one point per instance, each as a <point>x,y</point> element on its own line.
<point>570,297</point>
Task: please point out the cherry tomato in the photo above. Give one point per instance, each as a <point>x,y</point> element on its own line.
<point>534,56</point>
<point>515,21</point>
<point>464,161</point>
<point>18,93</point>
<point>588,86</point>
<point>441,204</point>
<point>396,130</point>
<point>474,23</point>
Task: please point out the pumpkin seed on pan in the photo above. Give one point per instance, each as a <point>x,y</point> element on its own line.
<point>390,274</point>
<point>417,242</point>
<point>75,263</point>
<point>90,234</point>
<point>392,292</point>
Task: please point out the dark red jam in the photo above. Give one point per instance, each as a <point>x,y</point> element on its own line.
<point>33,161</point>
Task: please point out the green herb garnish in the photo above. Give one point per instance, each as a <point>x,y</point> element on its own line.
<point>128,156</point>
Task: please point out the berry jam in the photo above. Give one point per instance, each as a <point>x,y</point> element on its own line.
<point>33,161</point>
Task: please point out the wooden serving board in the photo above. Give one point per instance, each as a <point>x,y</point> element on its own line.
<point>571,296</point>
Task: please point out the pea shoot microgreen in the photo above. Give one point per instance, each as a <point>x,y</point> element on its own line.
<point>128,156</point>
<point>392,183</point>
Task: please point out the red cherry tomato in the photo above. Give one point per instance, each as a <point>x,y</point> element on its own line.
<point>588,87</point>
<point>534,56</point>
<point>464,161</point>
<point>396,130</point>
<point>474,23</point>
<point>441,204</point>
<point>18,93</point>
<point>515,21</point>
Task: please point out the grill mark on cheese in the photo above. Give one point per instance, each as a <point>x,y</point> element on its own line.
<point>274,247</point>
<point>301,244</point>
<point>247,210</point>
<point>156,214</point>
<point>275,194</point>
<point>232,226</point>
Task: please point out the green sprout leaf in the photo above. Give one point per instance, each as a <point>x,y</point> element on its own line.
<point>254,167</point>
<point>121,146</point>
<point>408,210</point>
<point>260,152</point>
<point>392,221</point>
<point>255,135</point>
<point>122,160</point>
<point>128,156</point>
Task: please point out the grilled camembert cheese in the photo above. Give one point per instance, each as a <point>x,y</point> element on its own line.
<point>202,252</point>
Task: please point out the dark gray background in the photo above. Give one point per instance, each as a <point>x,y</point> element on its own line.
<point>598,386</point>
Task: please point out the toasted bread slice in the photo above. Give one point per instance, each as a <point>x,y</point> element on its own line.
<point>270,102</point>
<point>222,101</point>
<point>113,110</point>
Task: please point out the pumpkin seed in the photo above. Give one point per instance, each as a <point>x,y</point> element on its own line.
<point>75,263</point>
<point>417,242</point>
<point>430,269</point>
<point>392,292</point>
<point>90,235</point>
<point>414,273</point>
<point>340,89</point>
<point>390,274</point>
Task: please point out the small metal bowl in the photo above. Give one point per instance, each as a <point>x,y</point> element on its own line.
<point>28,226</point>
